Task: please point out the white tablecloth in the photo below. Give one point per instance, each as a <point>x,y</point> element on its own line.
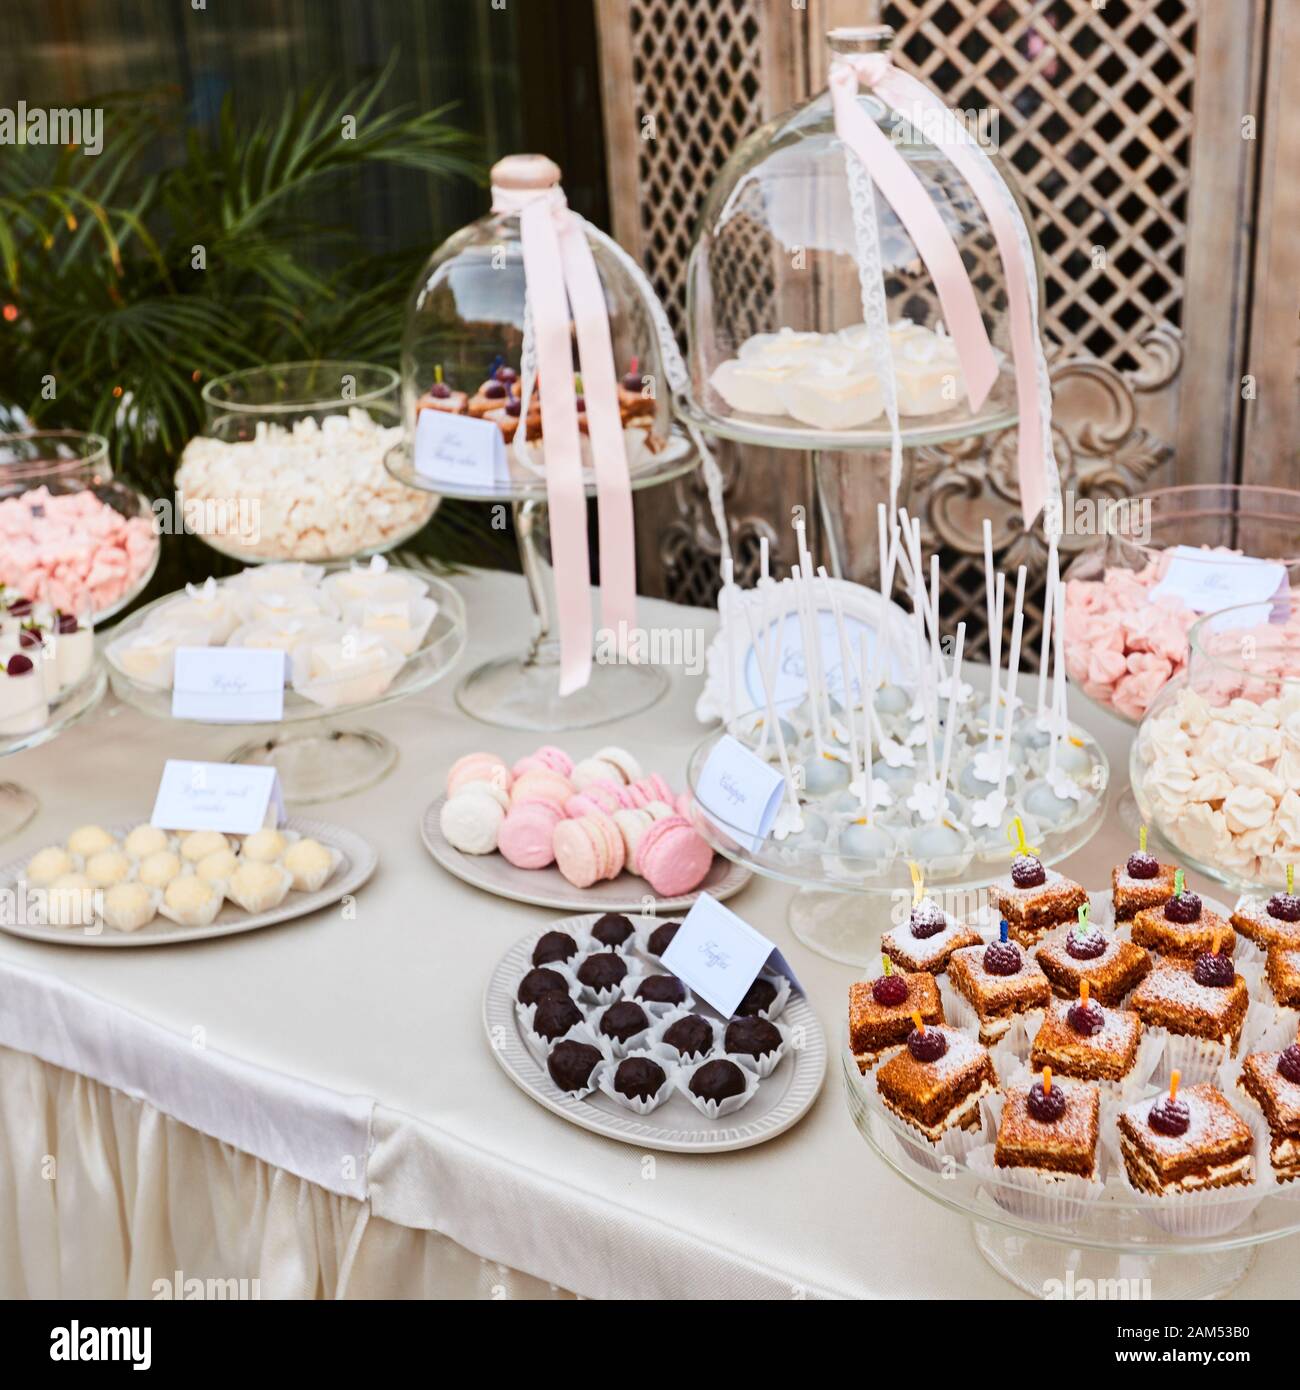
<point>315,1106</point>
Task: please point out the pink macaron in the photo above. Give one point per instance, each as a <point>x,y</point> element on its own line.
<point>672,858</point>
<point>652,788</point>
<point>547,758</point>
<point>525,837</point>
<point>588,849</point>
<point>541,785</point>
<point>478,767</point>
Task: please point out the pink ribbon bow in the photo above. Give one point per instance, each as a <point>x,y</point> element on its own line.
<point>906,195</point>
<point>564,290</point>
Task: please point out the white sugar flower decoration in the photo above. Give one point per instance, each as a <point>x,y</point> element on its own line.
<point>987,767</point>
<point>964,691</point>
<point>1064,786</point>
<point>789,820</point>
<point>916,737</point>
<point>895,754</point>
<point>881,796</point>
<point>989,810</point>
<point>927,799</point>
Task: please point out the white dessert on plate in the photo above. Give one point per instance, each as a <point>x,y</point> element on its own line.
<point>24,706</point>
<point>374,582</point>
<point>403,622</point>
<point>356,669</point>
<point>208,606</point>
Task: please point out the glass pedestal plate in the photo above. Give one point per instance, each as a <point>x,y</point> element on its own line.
<point>1114,1248</point>
<point>317,759</point>
<point>522,691</point>
<point>18,803</point>
<point>844,903</point>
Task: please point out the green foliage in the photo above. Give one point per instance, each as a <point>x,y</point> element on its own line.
<point>104,297</point>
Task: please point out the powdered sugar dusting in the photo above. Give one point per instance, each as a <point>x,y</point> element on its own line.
<point>1214,1123</point>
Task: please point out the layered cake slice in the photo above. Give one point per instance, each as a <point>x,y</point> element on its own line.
<point>1206,999</point>
<point>1282,968</point>
<point>1183,927</point>
<point>1186,1141</point>
<point>1142,881</point>
<point>1272,922</point>
<point>1272,1081</point>
<point>935,1083</point>
<point>1033,899</point>
<point>880,1011</point>
<point>1085,1040</point>
<point>1049,1127</point>
<point>999,981</point>
<point>927,939</point>
<point>1086,954</point>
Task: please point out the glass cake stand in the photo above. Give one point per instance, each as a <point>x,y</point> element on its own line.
<point>844,904</point>
<point>19,804</point>
<point>1120,1246</point>
<point>317,760</point>
<point>522,692</point>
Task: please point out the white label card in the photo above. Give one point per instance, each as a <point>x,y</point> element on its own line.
<point>1207,581</point>
<point>228,685</point>
<point>460,452</point>
<point>719,955</point>
<point>740,793</point>
<point>235,798</point>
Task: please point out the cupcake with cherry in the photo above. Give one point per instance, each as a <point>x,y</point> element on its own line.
<point>591,820</point>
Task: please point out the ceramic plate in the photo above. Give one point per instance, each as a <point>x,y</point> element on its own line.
<point>549,887</point>
<point>782,1099</point>
<point>359,861</point>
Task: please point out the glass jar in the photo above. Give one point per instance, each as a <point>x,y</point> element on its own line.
<point>71,537</point>
<point>464,337</point>
<point>1215,766</point>
<point>1127,617</point>
<point>779,352</point>
<point>290,465</point>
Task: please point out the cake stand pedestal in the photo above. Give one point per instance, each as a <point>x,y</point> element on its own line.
<point>523,691</point>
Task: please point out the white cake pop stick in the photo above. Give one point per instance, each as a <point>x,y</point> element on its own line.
<point>924,671</point>
<point>1058,679</point>
<point>846,666</point>
<point>936,650</point>
<point>1013,670</point>
<point>995,653</point>
<point>764,638</point>
<point>867,795</point>
<point>818,690</point>
<point>995,632</point>
<point>1049,603</point>
<point>765,676</point>
<point>946,764</point>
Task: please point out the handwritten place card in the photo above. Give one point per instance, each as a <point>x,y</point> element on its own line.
<point>720,955</point>
<point>740,793</point>
<point>1206,581</point>
<point>235,798</point>
<point>228,685</point>
<point>460,452</point>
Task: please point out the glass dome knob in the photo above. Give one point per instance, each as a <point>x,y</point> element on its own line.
<point>523,172</point>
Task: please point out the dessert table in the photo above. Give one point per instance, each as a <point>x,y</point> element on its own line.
<point>315,1106</point>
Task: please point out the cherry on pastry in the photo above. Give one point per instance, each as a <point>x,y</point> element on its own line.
<point>1214,970</point>
<point>1085,945</point>
<point>1285,907</point>
<point>1143,865</point>
<point>1002,958</point>
<point>928,1046</point>
<point>1086,1019</point>
<point>1027,871</point>
<point>1044,1105</point>
<point>1289,1063</point>
<point>927,920</point>
<point>1170,1117</point>
<point>1183,910</point>
<point>440,390</point>
<point>889,990</point>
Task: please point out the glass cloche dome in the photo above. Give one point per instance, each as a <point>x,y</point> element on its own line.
<point>464,338</point>
<point>779,352</point>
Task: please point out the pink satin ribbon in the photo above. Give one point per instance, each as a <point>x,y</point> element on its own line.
<point>897,89</point>
<point>560,273</point>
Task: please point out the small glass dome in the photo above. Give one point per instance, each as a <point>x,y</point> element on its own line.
<point>779,353</point>
<point>464,335</point>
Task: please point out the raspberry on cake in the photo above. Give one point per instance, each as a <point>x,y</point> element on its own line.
<point>1272,1081</point>
<point>1142,881</point>
<point>1183,927</point>
<point>1110,967</point>
<point>1282,969</point>
<point>1087,1041</point>
<point>998,981</point>
<point>1050,1127</point>
<point>1185,1142</point>
<point>880,1011</point>
<point>1033,899</point>
<point>927,939</point>
<point>1200,1000</point>
<point>937,1090</point>
<point>1275,922</point>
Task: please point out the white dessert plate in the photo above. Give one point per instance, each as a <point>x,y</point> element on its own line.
<point>549,887</point>
<point>676,1126</point>
<point>359,862</point>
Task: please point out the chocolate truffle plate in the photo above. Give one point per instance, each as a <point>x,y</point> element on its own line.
<point>783,1097</point>
<point>549,888</point>
<point>353,860</point>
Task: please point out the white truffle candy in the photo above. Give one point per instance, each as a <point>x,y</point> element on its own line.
<point>108,867</point>
<point>130,906</point>
<point>258,886</point>
<point>89,839</point>
<point>310,864</point>
<point>264,846</point>
<point>218,866</point>
<point>191,901</point>
<point>158,870</point>
<point>70,901</point>
<point>145,840</point>
<point>198,844</point>
<point>48,864</point>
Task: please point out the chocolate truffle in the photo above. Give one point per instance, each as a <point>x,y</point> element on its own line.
<point>691,1036</point>
<point>638,1078</point>
<point>571,1064</point>
<point>718,1080</point>
<point>613,929</point>
<point>623,1020</point>
<point>755,1037</point>
<point>661,989</point>
<point>541,982</point>
<point>556,1014</point>
<point>761,995</point>
<point>661,938</point>
<point>555,945</point>
<point>602,971</point>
